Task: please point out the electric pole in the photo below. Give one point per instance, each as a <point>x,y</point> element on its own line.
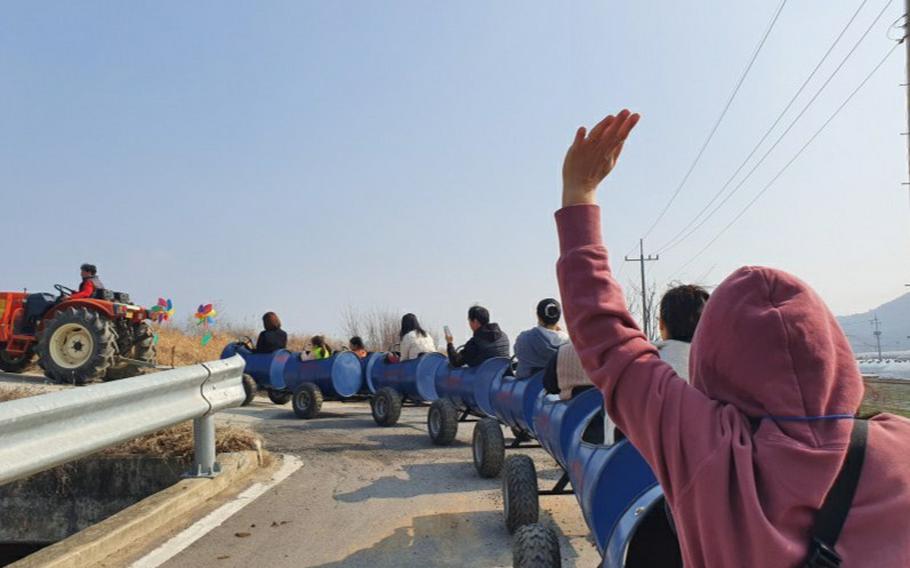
<point>907,80</point>
<point>642,259</point>
<point>876,325</point>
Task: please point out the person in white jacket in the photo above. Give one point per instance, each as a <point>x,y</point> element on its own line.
<point>414,340</point>
<point>680,310</point>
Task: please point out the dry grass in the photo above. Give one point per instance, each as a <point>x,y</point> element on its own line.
<point>177,347</point>
<point>177,442</point>
<point>12,393</point>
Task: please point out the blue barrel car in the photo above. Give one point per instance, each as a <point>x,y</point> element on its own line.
<point>393,383</point>
<point>463,392</point>
<point>620,498</point>
<point>263,371</point>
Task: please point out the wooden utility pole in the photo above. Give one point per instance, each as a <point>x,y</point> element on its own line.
<point>645,308</point>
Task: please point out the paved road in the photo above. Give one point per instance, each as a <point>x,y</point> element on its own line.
<point>375,497</point>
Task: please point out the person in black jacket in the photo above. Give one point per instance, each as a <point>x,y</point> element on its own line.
<point>487,342</point>
<point>273,337</point>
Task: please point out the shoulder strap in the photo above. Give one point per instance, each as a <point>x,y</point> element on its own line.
<point>831,517</point>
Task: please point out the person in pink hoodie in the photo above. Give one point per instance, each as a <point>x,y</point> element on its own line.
<point>747,453</point>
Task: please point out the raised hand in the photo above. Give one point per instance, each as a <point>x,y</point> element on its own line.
<point>591,158</point>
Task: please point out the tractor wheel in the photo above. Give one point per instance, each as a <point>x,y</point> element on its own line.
<point>279,397</point>
<point>15,364</point>
<point>536,546</point>
<point>250,388</point>
<point>489,447</point>
<point>442,422</point>
<point>77,346</point>
<point>142,349</point>
<point>307,401</point>
<point>386,407</point>
<point>519,492</point>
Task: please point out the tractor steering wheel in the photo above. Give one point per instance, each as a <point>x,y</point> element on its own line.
<point>64,291</point>
<point>247,342</point>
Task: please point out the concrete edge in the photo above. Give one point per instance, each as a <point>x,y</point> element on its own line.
<point>143,520</point>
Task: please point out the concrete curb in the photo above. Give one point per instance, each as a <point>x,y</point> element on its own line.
<point>144,520</point>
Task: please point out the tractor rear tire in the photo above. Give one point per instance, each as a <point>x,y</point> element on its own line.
<point>280,397</point>
<point>12,364</point>
<point>250,388</point>
<point>520,498</point>
<point>307,401</point>
<point>536,546</point>
<point>489,448</point>
<point>142,349</point>
<point>76,346</point>
<point>386,407</point>
<point>442,422</point>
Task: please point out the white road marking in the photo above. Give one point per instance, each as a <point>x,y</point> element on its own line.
<point>213,520</point>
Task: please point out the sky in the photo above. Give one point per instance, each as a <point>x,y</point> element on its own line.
<point>315,157</point>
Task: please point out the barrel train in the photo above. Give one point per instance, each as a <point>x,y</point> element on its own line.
<point>622,503</point>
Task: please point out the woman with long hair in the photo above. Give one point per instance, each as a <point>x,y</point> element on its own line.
<point>414,340</point>
<point>272,338</point>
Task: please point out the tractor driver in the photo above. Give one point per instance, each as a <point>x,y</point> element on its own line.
<point>90,282</point>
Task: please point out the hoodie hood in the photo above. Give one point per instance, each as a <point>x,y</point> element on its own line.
<point>489,332</point>
<point>767,344</point>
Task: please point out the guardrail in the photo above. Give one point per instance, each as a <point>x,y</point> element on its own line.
<point>40,432</point>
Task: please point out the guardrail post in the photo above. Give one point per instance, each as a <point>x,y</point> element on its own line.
<point>204,464</point>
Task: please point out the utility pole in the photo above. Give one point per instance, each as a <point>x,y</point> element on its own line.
<point>642,259</point>
<point>876,325</point>
<point>907,81</point>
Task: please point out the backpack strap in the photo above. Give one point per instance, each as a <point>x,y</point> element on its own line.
<point>831,517</point>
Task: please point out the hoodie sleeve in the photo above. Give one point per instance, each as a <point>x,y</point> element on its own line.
<point>674,426</point>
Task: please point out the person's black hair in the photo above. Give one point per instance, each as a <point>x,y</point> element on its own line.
<point>549,311</point>
<point>90,268</point>
<point>680,310</point>
<point>270,321</point>
<point>318,341</point>
<point>409,323</point>
<point>357,343</point>
<point>479,314</point>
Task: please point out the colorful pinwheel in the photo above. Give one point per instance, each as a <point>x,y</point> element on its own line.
<point>162,311</point>
<point>205,316</point>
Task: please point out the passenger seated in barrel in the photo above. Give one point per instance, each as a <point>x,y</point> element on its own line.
<point>748,453</point>
<point>90,286</point>
<point>536,346</point>
<point>565,377</point>
<point>680,310</point>
<point>357,347</point>
<point>414,340</point>
<point>319,348</point>
<point>488,341</point>
<point>272,338</point>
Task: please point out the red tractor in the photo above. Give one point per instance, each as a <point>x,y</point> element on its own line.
<point>75,341</point>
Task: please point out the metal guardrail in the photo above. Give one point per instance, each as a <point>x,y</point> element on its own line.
<point>40,432</point>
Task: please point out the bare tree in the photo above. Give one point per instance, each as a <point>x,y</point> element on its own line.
<point>633,302</point>
<point>378,328</point>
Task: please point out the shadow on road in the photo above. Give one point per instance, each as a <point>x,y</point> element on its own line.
<point>422,479</point>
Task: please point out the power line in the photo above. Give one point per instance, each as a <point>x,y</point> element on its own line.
<point>720,118</point>
<point>789,163</point>
<point>780,138</point>
<point>672,242</point>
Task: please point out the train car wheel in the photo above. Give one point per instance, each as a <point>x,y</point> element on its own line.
<point>489,447</point>
<point>386,407</point>
<point>442,422</point>
<point>521,436</point>
<point>249,387</point>
<point>519,492</point>
<point>536,546</point>
<point>307,401</point>
<point>279,397</point>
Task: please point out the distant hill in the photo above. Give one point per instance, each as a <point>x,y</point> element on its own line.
<point>895,326</point>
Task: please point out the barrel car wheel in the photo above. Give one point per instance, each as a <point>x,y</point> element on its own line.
<point>249,388</point>
<point>536,546</point>
<point>442,422</point>
<point>489,447</point>
<point>307,401</point>
<point>279,397</point>
<point>519,492</point>
<point>386,407</point>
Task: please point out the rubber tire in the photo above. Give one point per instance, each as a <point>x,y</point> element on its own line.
<point>250,388</point>
<point>536,546</point>
<point>15,365</point>
<point>280,397</point>
<point>447,415</point>
<point>521,436</point>
<point>143,349</point>
<point>307,401</point>
<point>102,358</point>
<point>520,499</point>
<point>488,447</point>
<point>390,399</point>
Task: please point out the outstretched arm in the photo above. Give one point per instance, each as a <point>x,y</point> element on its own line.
<point>674,426</point>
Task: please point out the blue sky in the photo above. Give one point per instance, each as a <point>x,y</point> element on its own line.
<point>305,157</point>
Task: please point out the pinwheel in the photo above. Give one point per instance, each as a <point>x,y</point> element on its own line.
<point>205,316</point>
<point>162,311</point>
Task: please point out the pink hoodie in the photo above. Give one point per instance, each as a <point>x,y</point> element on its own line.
<point>766,346</point>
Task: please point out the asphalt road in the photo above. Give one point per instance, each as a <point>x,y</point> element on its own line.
<point>375,497</point>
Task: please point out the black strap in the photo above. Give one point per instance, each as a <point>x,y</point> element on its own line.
<point>831,517</point>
